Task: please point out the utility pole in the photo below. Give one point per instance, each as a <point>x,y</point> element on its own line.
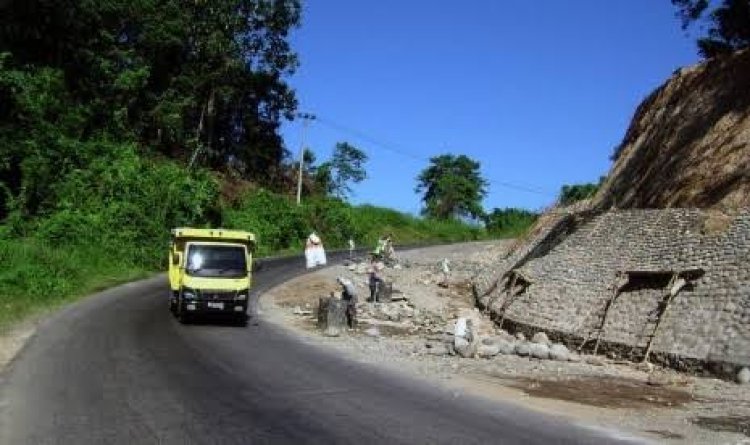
<point>306,118</point>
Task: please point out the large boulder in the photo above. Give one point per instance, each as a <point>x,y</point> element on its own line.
<point>487,351</point>
<point>539,350</point>
<point>559,352</point>
<point>522,348</point>
<point>540,338</point>
<point>506,347</point>
<point>743,377</point>
<point>463,347</point>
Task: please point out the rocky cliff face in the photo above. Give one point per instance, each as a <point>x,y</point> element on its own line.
<point>689,142</point>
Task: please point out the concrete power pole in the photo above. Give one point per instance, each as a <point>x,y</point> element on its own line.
<point>306,118</point>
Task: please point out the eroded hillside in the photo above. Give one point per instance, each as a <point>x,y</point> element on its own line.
<point>688,144</point>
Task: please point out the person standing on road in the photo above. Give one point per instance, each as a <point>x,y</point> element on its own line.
<point>351,248</point>
<point>375,283</point>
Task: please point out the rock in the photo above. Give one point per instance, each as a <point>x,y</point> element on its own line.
<point>559,352</point>
<point>489,341</point>
<point>505,347</point>
<point>522,348</point>
<point>574,357</point>
<point>463,347</point>
<point>520,336</point>
<point>299,311</point>
<point>659,379</point>
<point>372,332</point>
<point>743,377</point>
<point>487,351</point>
<point>540,338</point>
<point>594,360</point>
<point>644,366</point>
<point>539,350</point>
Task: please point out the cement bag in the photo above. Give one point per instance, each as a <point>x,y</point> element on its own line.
<point>315,256</point>
<point>320,256</point>
<point>310,257</point>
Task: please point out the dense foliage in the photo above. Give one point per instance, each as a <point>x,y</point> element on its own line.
<point>728,24</point>
<point>200,80</point>
<point>509,222</point>
<point>452,187</point>
<point>570,194</point>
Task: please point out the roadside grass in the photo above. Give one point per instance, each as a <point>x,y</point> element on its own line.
<point>35,278</point>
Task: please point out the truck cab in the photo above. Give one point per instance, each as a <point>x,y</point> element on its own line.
<point>210,273</point>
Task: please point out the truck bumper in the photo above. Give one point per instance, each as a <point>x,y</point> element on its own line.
<point>213,307</point>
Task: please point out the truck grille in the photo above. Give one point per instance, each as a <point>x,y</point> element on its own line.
<point>218,295</point>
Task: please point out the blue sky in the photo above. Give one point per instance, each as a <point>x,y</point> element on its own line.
<point>539,92</point>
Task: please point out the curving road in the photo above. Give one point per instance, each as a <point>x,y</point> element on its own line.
<point>117,368</point>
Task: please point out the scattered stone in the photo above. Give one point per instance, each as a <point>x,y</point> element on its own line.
<point>574,357</point>
<point>487,351</point>
<point>540,338</point>
<point>299,311</point>
<point>539,350</point>
<point>559,352</point>
<point>520,336</point>
<point>437,349</point>
<point>372,332</point>
<point>743,377</point>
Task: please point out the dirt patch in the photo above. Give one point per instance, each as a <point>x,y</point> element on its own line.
<point>304,292</point>
<point>716,222</point>
<point>604,392</point>
<point>731,424</point>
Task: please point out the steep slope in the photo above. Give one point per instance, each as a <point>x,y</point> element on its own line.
<point>688,144</point>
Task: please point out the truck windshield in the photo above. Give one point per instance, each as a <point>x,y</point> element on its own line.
<point>216,261</point>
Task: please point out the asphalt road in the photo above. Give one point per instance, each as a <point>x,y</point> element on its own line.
<point>116,368</point>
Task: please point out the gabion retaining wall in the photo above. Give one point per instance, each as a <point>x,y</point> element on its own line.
<point>708,321</point>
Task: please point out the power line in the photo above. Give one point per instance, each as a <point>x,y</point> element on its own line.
<point>391,147</point>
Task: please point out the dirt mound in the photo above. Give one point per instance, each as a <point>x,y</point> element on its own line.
<point>688,144</point>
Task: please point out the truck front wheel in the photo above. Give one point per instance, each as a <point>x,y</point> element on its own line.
<point>173,302</point>
<point>182,313</point>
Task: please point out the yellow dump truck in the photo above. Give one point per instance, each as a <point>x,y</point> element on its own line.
<point>210,272</point>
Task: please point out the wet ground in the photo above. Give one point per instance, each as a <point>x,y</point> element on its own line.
<point>731,424</point>
<point>604,392</point>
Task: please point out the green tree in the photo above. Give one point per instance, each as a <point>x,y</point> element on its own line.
<point>198,80</point>
<point>452,186</point>
<point>347,166</point>
<point>509,221</point>
<point>577,192</point>
<point>728,24</point>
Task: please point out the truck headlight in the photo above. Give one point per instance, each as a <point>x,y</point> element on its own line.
<point>189,294</point>
<point>242,296</point>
